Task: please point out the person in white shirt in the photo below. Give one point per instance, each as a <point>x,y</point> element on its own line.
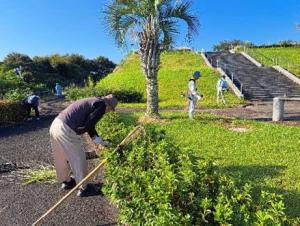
<point>222,86</point>
<point>193,93</point>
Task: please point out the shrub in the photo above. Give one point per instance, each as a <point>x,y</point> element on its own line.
<point>9,81</point>
<point>155,183</point>
<point>113,128</point>
<point>17,94</point>
<point>128,96</point>
<point>75,93</point>
<point>12,111</point>
<point>124,96</point>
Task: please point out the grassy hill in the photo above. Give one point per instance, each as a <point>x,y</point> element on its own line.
<point>175,70</point>
<point>286,57</point>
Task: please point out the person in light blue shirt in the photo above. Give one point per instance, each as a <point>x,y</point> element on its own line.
<point>222,86</point>
<point>58,89</point>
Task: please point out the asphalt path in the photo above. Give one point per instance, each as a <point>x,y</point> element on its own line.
<point>26,146</point>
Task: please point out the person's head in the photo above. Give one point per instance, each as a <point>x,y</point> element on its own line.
<point>223,77</point>
<point>110,102</point>
<point>196,75</point>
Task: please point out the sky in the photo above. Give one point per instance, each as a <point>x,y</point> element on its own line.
<point>45,27</point>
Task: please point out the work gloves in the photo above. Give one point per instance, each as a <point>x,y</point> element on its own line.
<point>98,141</point>
<point>199,96</point>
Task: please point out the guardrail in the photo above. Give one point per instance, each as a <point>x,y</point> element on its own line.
<point>274,61</point>
<point>215,63</point>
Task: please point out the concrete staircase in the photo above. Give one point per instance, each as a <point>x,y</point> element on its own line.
<point>259,83</point>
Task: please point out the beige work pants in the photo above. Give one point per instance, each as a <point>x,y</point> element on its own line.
<point>67,151</point>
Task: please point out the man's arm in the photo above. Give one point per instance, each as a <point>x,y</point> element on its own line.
<point>91,121</point>
<point>192,88</point>
<point>93,118</point>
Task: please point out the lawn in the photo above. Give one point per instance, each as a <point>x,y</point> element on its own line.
<point>175,70</point>
<point>286,57</point>
<point>265,154</point>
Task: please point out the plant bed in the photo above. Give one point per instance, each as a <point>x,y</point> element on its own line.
<point>12,111</point>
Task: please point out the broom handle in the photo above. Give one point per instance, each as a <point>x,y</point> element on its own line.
<point>131,136</point>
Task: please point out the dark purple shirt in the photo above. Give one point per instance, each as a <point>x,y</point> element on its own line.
<point>82,115</point>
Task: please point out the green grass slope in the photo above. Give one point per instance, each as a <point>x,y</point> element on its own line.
<point>175,70</point>
<point>286,57</point>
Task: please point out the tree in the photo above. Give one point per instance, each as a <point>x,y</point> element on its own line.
<point>228,45</point>
<point>13,60</point>
<point>152,23</point>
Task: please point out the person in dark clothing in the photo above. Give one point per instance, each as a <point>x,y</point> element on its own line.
<point>68,152</point>
<point>32,101</point>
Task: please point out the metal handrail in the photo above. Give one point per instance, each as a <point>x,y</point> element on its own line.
<point>234,80</point>
<point>276,60</point>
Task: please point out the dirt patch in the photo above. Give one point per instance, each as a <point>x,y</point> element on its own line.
<point>156,120</point>
<point>239,129</point>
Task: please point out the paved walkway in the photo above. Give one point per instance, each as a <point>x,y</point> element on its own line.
<point>26,145</point>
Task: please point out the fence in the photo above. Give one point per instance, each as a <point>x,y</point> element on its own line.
<point>273,61</point>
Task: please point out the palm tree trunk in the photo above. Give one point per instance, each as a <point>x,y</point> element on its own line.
<point>150,60</point>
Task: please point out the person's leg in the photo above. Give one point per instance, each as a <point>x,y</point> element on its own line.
<point>223,97</point>
<point>60,159</point>
<point>28,109</point>
<point>75,153</point>
<point>36,109</point>
<point>191,108</point>
<point>218,96</point>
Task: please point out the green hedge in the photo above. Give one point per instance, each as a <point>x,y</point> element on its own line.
<point>153,182</point>
<point>12,111</point>
<point>124,96</point>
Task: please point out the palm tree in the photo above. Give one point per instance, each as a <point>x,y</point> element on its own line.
<point>153,23</point>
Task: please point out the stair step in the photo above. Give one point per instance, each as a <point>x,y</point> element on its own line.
<point>258,83</point>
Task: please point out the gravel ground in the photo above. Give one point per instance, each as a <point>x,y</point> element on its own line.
<point>27,144</point>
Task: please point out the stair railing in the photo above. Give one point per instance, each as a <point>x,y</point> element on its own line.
<point>274,60</point>
<point>216,63</point>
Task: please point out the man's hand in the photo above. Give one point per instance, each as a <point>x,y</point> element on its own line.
<point>105,143</point>
<point>98,140</point>
<point>101,146</point>
<point>199,97</point>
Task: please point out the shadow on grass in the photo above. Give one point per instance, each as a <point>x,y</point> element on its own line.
<point>256,175</point>
<point>253,173</point>
<point>111,224</point>
<point>291,200</point>
<point>203,118</point>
